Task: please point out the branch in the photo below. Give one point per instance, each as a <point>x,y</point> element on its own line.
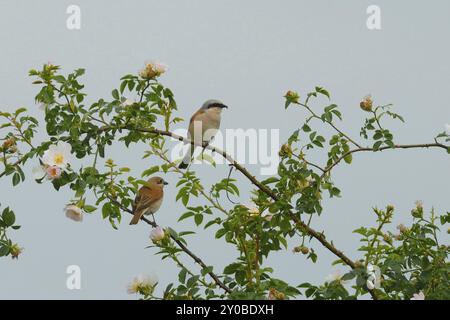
<point>398,146</point>
<point>180,244</point>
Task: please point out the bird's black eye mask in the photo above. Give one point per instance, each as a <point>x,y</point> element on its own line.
<point>217,105</point>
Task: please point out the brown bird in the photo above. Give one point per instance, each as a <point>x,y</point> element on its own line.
<point>148,199</point>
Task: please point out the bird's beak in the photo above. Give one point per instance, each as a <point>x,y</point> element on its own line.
<point>224,106</point>
<point>165,183</point>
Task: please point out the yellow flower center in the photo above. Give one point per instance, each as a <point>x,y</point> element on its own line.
<point>58,159</point>
<point>53,172</point>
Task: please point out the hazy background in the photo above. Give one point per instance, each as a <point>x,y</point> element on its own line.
<point>247,53</point>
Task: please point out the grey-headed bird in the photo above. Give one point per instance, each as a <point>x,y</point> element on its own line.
<point>149,198</point>
<point>203,126</point>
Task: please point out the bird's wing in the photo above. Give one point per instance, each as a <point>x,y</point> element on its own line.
<point>197,116</point>
<point>142,202</point>
<point>194,116</point>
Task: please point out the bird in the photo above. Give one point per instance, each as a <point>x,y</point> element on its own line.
<point>203,126</point>
<point>149,199</point>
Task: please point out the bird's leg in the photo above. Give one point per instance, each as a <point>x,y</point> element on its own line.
<point>205,144</point>
<point>153,217</point>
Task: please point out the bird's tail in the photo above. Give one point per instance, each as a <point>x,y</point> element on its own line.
<point>187,158</point>
<point>137,216</point>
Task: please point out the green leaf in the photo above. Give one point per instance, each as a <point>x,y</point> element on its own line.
<point>122,86</point>
<point>210,223</point>
<point>106,209</point>
<point>207,270</point>
<point>115,94</point>
<point>220,233</point>
<point>150,171</point>
<point>8,217</point>
<point>377,145</point>
<point>182,275</point>
<point>348,158</point>
<point>348,276</point>
<point>306,128</point>
<point>198,218</point>
<point>285,225</point>
<point>231,268</point>
<point>378,135</point>
<point>270,180</point>
<point>323,92</point>
<point>89,208</point>
<point>16,179</point>
<point>4,250</point>
<point>186,215</point>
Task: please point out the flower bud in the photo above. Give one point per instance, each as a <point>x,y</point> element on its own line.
<point>274,294</point>
<point>305,250</point>
<point>417,212</point>
<point>301,249</point>
<point>73,212</point>
<point>367,103</point>
<point>285,151</point>
<point>292,96</point>
<point>15,251</point>
<point>402,228</point>
<point>387,238</point>
<point>157,234</point>
<point>9,146</point>
<point>9,142</point>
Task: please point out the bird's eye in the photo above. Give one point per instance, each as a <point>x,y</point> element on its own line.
<point>161,181</point>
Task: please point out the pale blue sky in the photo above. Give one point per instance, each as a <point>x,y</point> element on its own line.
<point>246,54</point>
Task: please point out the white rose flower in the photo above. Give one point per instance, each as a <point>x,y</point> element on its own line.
<point>336,275</point>
<point>73,212</point>
<point>418,296</point>
<point>160,68</point>
<point>142,283</point>
<point>153,69</point>
<point>58,155</point>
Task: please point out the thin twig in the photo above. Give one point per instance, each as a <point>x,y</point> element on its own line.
<point>398,146</point>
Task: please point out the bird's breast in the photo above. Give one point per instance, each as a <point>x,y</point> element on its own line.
<point>154,206</point>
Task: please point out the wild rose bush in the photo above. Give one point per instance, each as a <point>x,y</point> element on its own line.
<point>407,262</point>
